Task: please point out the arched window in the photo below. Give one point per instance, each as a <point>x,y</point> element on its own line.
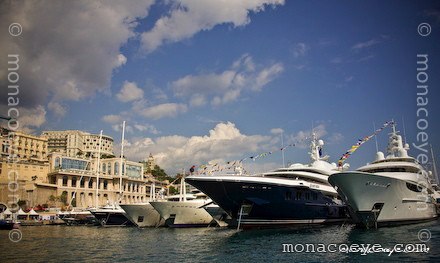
<point>109,169</point>
<point>105,184</point>
<point>90,183</point>
<point>104,168</point>
<point>123,168</point>
<point>74,181</point>
<point>65,180</point>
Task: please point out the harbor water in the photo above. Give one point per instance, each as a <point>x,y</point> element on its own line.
<point>131,244</point>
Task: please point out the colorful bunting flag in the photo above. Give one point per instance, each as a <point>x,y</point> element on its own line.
<point>362,141</point>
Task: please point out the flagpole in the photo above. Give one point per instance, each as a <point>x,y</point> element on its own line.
<point>282,147</point>
<point>98,170</point>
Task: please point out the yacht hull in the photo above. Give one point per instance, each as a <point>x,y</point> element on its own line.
<point>262,204</point>
<point>78,218</point>
<point>112,218</point>
<point>220,216</point>
<point>183,213</point>
<point>143,215</point>
<point>377,200</point>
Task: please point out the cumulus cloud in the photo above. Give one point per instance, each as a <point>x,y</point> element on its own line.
<point>227,86</point>
<point>188,17</point>
<point>130,92</point>
<point>68,49</point>
<point>28,118</point>
<point>224,142</point>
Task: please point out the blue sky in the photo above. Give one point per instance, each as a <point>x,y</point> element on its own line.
<point>201,81</point>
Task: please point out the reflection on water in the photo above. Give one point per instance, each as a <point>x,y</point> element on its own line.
<point>72,244</point>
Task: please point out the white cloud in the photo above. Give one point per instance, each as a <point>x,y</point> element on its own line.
<point>224,142</point>
<point>349,78</point>
<point>362,45</point>
<point>146,128</point>
<point>276,131</point>
<point>120,60</point>
<point>58,109</point>
<point>302,138</point>
<point>28,118</point>
<point>227,86</point>
<point>112,118</point>
<point>130,92</point>
<point>300,49</point>
<point>163,110</point>
<point>188,17</point>
<point>131,127</point>
<point>197,100</point>
<point>369,43</point>
<point>267,75</point>
<point>69,49</point>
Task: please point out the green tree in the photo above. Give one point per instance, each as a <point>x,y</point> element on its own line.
<point>63,198</point>
<point>160,174</point>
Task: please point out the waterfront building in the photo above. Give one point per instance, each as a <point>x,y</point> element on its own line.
<point>49,171</point>
<point>74,143</point>
<point>23,147</point>
<point>75,180</point>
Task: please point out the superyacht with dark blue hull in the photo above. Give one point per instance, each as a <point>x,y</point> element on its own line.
<point>299,194</point>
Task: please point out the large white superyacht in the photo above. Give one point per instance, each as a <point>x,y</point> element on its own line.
<point>144,214</point>
<point>394,189</point>
<point>185,210</point>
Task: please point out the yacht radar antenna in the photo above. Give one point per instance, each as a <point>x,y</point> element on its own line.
<point>404,130</point>
<point>375,137</point>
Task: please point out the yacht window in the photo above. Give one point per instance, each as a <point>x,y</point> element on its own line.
<point>140,219</point>
<point>393,170</point>
<point>288,195</point>
<point>314,196</point>
<point>298,195</point>
<point>307,196</point>
<point>414,187</point>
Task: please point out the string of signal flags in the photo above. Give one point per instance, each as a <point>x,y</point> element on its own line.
<point>362,141</point>
<point>216,167</point>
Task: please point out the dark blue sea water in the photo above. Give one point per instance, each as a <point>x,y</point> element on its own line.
<point>97,244</point>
